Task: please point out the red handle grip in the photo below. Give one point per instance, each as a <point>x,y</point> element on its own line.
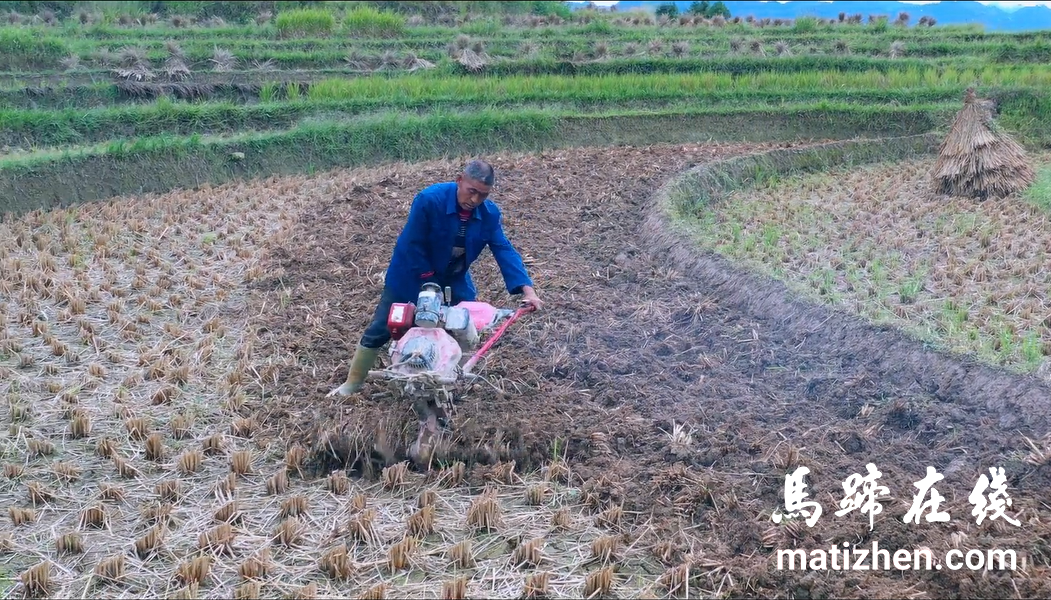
<point>496,335</point>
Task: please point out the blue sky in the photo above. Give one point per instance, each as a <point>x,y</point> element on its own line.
<point>1002,2</point>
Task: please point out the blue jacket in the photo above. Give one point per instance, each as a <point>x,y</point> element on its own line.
<point>425,246</point>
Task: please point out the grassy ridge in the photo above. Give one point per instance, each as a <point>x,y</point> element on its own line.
<point>821,114</point>
<point>56,128</point>
<point>50,90</point>
<point>503,44</point>
<point>42,58</point>
<point>718,87</point>
<point>871,255</point>
<point>491,29</point>
<point>637,86</point>
<point>692,198</point>
<point>1023,90</point>
<point>188,37</point>
<point>735,65</point>
<point>23,47</point>
<point>85,109</point>
<point>155,164</point>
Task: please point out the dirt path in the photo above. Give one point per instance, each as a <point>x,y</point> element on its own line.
<point>634,342</point>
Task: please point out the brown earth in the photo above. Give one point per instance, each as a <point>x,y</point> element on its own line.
<point>641,333</point>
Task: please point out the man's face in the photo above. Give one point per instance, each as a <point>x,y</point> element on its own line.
<point>470,193</point>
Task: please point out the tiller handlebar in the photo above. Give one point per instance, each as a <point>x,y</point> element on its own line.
<point>496,336</point>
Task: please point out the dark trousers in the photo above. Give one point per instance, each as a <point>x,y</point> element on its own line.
<point>376,334</point>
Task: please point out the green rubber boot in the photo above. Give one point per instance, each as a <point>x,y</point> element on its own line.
<point>364,359</point>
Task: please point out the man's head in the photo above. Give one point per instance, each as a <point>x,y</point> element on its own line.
<point>474,183</point>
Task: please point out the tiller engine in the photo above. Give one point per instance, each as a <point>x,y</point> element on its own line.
<point>434,347</point>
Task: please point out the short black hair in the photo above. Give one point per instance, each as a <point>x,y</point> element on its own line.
<point>479,170</point>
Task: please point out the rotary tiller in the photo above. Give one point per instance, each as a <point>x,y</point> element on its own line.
<point>434,348</point>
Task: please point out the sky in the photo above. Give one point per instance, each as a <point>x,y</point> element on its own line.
<point>1002,2</point>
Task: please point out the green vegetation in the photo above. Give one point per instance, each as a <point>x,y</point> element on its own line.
<point>104,81</point>
<point>1019,90</point>
<point>294,39</point>
<point>305,23</point>
<point>366,21</point>
<point>848,224</point>
<point>1039,194</point>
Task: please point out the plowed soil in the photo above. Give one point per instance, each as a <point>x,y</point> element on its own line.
<point>642,333</point>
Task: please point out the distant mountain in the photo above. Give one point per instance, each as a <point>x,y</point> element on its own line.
<point>960,12</point>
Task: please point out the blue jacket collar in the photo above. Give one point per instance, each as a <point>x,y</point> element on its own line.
<point>451,206</point>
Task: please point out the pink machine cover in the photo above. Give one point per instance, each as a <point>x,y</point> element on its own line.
<point>483,314</point>
<point>448,351</point>
<point>449,354</point>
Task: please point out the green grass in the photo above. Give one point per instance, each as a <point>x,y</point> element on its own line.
<point>20,49</point>
<point>287,53</point>
<point>867,277</point>
<point>607,24</point>
<point>306,62</point>
<point>62,176</point>
<point>368,21</point>
<point>295,34</point>
<point>305,23</point>
<point>1019,89</point>
<point>91,109</point>
<point>636,86</point>
<point>700,38</point>
<point>1039,194</point>
<point>402,133</point>
<point>285,106</point>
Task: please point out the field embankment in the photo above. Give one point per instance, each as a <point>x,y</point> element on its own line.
<point>163,163</point>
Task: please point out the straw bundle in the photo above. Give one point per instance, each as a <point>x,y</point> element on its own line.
<point>471,60</point>
<point>415,63</point>
<point>978,161</point>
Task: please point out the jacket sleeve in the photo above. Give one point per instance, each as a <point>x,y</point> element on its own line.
<point>507,258</point>
<point>414,239</point>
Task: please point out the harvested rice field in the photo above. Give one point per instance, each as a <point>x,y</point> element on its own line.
<point>880,242</point>
<point>165,360</point>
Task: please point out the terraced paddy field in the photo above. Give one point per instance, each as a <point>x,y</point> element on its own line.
<point>731,294</point>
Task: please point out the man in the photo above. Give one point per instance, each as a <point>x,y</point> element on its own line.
<point>449,225</point>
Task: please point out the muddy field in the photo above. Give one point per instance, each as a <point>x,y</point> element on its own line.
<point>635,342</point>
<point>165,362</point>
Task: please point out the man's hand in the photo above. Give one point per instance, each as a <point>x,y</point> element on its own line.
<point>529,297</point>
